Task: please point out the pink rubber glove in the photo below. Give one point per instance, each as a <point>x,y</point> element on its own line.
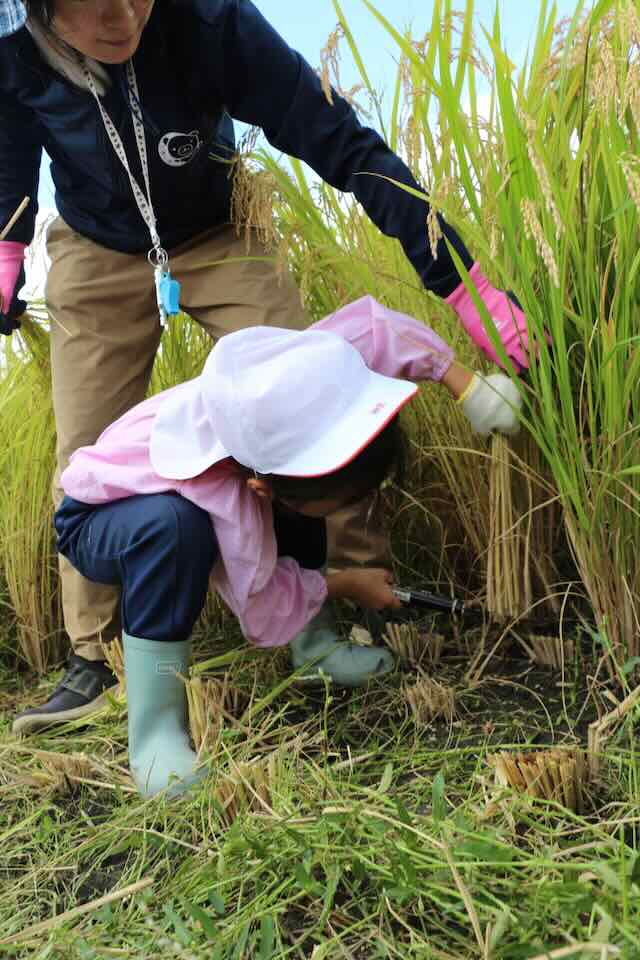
<point>509,320</point>
<point>11,279</point>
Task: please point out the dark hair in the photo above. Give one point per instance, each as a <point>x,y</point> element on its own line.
<point>381,457</point>
<point>41,11</point>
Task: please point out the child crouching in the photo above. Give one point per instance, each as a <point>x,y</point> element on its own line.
<point>226,481</point>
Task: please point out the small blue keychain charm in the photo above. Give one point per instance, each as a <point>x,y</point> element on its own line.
<point>170,294</point>
<point>167,294</point>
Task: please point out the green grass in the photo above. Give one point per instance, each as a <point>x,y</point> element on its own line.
<point>379,838</point>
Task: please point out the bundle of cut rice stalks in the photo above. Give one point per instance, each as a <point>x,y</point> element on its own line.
<point>45,771</point>
<point>248,788</point>
<point>409,644</point>
<point>60,772</point>
<point>601,730</point>
<point>211,702</point>
<point>55,772</point>
<point>508,584</point>
<point>522,524</point>
<point>429,700</point>
<point>549,651</point>
<point>114,656</point>
<point>560,774</point>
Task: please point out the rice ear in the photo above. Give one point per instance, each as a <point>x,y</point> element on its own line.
<point>252,203</point>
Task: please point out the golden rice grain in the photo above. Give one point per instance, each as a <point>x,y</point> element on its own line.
<point>631,170</point>
<point>252,203</point>
<point>542,174</point>
<point>434,231</point>
<point>534,231</point>
<point>330,62</point>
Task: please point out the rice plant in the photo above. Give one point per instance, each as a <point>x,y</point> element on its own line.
<point>27,459</point>
<point>545,187</point>
<point>337,255</point>
<point>559,168</point>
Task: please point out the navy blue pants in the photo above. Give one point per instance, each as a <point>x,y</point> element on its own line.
<point>160,549</point>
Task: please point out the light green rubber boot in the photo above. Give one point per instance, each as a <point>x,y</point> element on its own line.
<point>159,748</point>
<point>346,664</point>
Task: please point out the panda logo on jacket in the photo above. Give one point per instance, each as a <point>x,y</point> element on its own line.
<point>176,149</point>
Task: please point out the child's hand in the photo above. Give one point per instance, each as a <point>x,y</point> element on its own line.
<point>492,403</point>
<point>371,588</point>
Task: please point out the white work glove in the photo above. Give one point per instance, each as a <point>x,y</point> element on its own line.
<point>491,403</point>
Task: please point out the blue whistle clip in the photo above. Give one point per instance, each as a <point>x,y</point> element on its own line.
<point>169,292</point>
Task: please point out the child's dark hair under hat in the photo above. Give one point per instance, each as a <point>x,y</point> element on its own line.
<point>384,455</point>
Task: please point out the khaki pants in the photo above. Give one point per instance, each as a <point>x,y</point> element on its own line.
<point>104,335</point>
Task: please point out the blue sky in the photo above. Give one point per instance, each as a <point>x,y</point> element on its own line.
<point>307,32</point>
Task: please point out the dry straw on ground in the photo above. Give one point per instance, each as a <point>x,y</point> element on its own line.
<point>62,770</point>
<point>410,644</point>
<point>249,787</point>
<point>211,702</point>
<point>549,651</point>
<point>600,730</point>
<point>114,657</point>
<point>560,774</point>
<point>430,700</point>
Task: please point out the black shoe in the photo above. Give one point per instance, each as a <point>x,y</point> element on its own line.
<point>80,693</point>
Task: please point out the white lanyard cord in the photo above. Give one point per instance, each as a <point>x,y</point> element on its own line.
<point>157,256</point>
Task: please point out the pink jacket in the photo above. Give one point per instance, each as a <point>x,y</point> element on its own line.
<point>272,597</point>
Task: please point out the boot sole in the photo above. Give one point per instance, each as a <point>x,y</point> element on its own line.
<point>39,721</point>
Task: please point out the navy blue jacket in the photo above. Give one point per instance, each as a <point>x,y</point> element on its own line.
<point>200,64</point>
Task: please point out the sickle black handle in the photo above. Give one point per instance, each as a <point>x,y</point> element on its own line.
<point>430,601</point>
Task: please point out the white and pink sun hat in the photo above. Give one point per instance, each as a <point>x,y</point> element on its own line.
<point>295,403</point>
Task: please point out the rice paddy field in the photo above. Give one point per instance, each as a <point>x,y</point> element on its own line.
<point>483,800</point>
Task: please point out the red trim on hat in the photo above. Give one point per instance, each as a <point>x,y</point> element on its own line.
<point>360,448</point>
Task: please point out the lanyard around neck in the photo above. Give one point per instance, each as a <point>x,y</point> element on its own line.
<point>157,256</point>
<point>144,202</point>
